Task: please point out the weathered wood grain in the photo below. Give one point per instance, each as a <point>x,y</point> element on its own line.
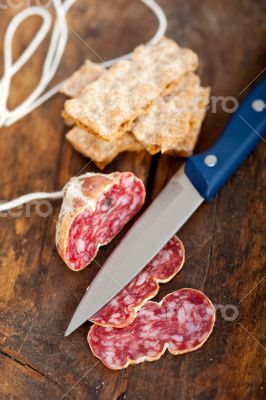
<point>224,240</point>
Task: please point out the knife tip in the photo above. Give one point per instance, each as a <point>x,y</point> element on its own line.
<point>73,325</point>
<point>68,331</point>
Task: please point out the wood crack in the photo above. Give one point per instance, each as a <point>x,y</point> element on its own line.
<point>123,386</point>
<point>151,177</point>
<point>26,365</point>
<point>211,242</point>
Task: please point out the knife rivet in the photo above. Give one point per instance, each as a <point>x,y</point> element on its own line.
<point>258,105</point>
<point>210,160</point>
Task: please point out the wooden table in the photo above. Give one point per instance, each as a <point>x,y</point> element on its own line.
<point>223,240</point>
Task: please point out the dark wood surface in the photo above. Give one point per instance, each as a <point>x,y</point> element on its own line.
<point>223,240</point>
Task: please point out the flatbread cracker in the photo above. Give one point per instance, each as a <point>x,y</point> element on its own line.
<point>86,74</point>
<point>173,122</point>
<point>186,147</point>
<point>108,106</point>
<point>101,151</point>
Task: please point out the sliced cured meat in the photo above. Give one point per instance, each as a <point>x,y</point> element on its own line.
<point>181,323</point>
<point>122,309</point>
<point>95,208</point>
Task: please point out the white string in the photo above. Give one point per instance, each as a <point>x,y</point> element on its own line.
<point>51,63</point>
<point>54,55</point>
<point>159,13</point>
<point>29,197</point>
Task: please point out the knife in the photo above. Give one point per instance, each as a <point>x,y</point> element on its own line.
<point>199,179</point>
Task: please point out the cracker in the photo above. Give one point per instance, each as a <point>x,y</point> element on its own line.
<point>67,120</point>
<point>108,106</point>
<point>173,122</point>
<point>85,75</point>
<point>186,147</point>
<point>101,151</point>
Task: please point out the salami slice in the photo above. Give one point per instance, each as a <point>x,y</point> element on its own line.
<point>181,323</point>
<point>95,208</point>
<point>122,309</point>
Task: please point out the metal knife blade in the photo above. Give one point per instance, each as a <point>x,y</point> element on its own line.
<point>168,212</point>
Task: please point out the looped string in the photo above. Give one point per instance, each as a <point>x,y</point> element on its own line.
<point>52,61</point>
<point>54,55</point>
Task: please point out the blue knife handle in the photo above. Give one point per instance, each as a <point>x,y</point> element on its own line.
<point>208,171</point>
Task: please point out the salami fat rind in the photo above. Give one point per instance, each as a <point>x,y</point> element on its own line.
<point>181,323</point>
<point>94,210</point>
<point>122,309</point>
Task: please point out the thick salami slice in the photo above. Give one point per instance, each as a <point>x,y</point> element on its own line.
<point>95,208</point>
<point>181,323</point>
<point>122,309</point>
